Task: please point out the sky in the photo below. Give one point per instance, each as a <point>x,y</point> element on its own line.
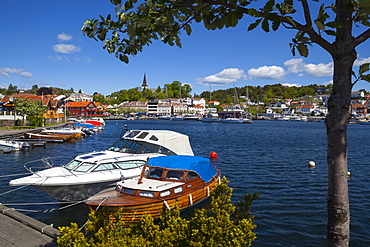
<point>41,43</point>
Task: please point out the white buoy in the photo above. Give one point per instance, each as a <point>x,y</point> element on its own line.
<point>311,164</point>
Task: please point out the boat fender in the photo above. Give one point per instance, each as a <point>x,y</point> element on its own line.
<point>191,199</point>
<point>349,173</point>
<point>166,204</point>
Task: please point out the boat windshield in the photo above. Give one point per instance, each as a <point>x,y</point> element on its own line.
<point>175,175</point>
<point>155,173</point>
<point>72,164</point>
<point>138,147</point>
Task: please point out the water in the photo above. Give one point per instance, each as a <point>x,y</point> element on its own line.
<point>270,157</point>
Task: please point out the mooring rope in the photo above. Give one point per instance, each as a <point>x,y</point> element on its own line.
<point>95,210</point>
<point>13,175</point>
<point>21,187</point>
<point>46,210</point>
<point>14,189</point>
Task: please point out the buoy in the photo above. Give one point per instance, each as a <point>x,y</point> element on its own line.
<point>311,164</point>
<point>213,155</point>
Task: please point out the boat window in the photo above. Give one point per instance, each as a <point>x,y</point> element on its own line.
<point>175,175</point>
<point>165,193</point>
<point>106,166</point>
<point>177,190</point>
<point>84,167</point>
<point>146,193</point>
<point>191,175</point>
<point>128,191</point>
<point>130,164</point>
<point>73,164</point>
<point>153,138</point>
<point>155,173</point>
<point>143,135</point>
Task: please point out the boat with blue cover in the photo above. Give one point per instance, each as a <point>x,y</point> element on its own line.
<point>164,181</point>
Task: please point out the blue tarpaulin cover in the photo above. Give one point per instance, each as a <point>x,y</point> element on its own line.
<point>86,125</point>
<point>200,165</point>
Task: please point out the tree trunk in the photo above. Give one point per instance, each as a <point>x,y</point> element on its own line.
<point>336,124</point>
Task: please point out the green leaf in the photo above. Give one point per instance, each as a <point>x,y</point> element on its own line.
<point>254,25</point>
<point>365,78</point>
<point>265,26</point>
<point>319,25</point>
<point>268,6</point>
<point>188,29</point>
<point>275,24</point>
<point>123,58</point>
<point>302,49</point>
<point>364,68</point>
<point>330,32</point>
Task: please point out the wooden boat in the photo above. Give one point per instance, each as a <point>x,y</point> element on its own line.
<point>47,137</point>
<point>72,135</point>
<point>164,181</point>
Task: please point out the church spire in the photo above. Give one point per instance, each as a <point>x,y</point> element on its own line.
<point>144,85</point>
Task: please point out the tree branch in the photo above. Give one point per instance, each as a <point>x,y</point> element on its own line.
<point>362,37</point>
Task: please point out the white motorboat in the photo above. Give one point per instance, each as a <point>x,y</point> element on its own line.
<point>90,173</point>
<point>191,117</point>
<point>232,120</point>
<point>12,145</point>
<point>65,130</point>
<point>212,118</point>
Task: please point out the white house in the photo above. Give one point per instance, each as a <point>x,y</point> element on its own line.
<point>306,109</point>
<point>179,108</point>
<point>164,109</point>
<point>279,104</point>
<point>198,101</point>
<point>357,94</point>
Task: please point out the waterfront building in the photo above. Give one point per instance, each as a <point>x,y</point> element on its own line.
<point>82,109</point>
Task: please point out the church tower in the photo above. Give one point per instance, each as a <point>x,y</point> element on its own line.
<point>144,85</point>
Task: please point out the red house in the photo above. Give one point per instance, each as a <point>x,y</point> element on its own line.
<point>82,109</point>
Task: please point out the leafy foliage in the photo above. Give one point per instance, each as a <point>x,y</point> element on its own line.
<point>32,109</point>
<point>223,225</point>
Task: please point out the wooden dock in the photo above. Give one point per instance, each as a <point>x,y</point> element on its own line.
<point>17,229</point>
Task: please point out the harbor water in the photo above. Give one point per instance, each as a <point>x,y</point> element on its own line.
<point>270,157</point>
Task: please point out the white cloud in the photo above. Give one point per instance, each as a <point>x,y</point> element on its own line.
<point>319,70</point>
<point>361,61</point>
<point>327,83</point>
<point>223,78</point>
<point>267,72</point>
<point>66,49</point>
<point>58,58</point>
<point>291,84</point>
<point>295,65</point>
<point>84,59</point>
<point>313,70</point>
<point>4,72</point>
<point>64,37</point>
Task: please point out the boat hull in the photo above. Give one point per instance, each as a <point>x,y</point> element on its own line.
<point>76,192</point>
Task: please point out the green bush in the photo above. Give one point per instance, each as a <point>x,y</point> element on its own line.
<point>36,120</point>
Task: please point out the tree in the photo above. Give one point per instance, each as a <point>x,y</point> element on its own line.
<point>32,109</point>
<point>138,25</point>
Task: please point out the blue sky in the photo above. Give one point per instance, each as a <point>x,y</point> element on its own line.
<point>41,43</point>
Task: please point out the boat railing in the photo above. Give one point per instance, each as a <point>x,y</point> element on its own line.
<point>46,162</point>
